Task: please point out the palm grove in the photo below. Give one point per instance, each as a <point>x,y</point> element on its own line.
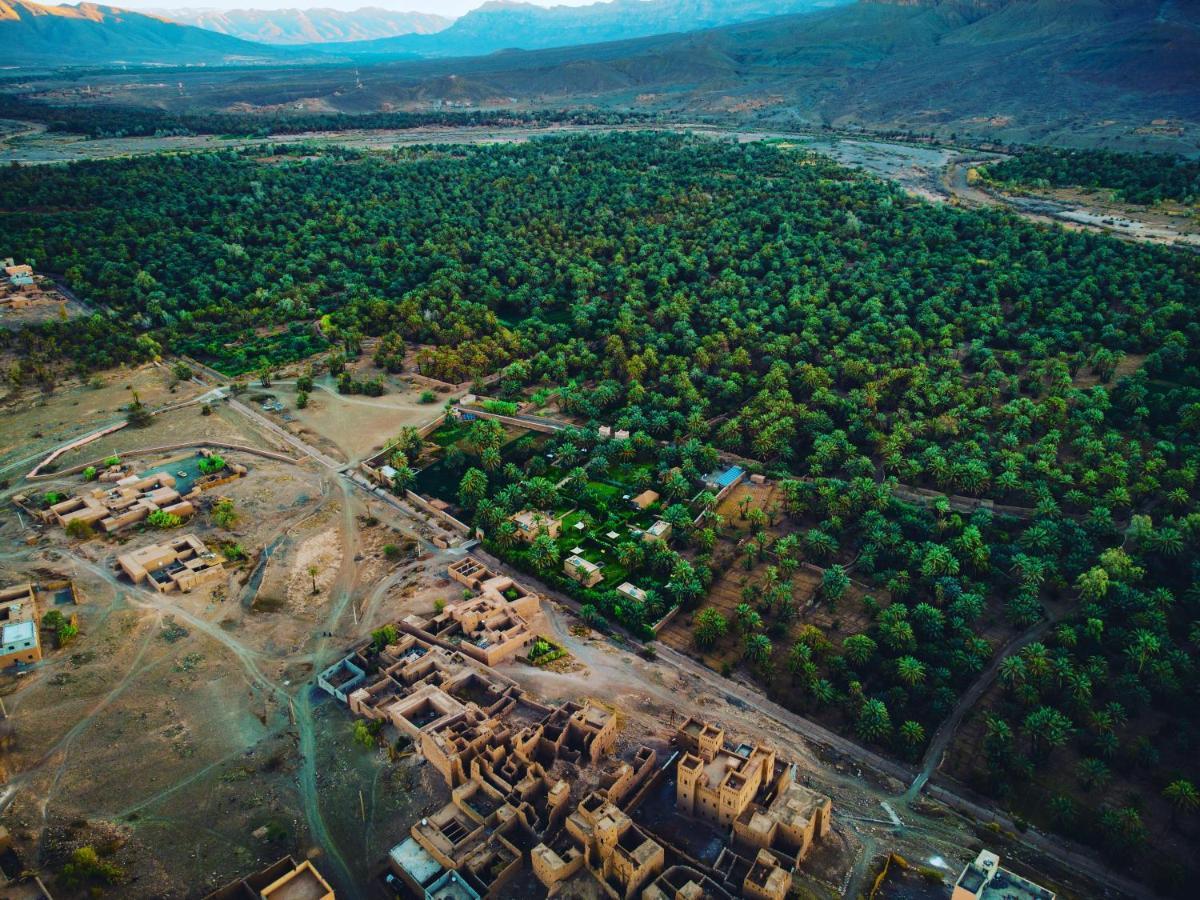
<point>846,338</point>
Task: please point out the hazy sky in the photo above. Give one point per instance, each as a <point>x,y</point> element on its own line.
<point>444,7</point>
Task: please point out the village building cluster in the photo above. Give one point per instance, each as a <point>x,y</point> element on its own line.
<point>543,795</point>
<point>21,289</point>
<point>124,499</point>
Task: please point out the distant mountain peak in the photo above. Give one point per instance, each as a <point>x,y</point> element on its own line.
<point>98,34</point>
<point>313,25</point>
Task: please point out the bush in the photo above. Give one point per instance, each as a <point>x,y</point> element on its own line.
<point>391,552</point>
<point>224,514</point>
<point>90,473</point>
<point>301,400</point>
<point>233,551</point>
<point>381,637</point>
<point>366,733</point>
<point>428,397</point>
<point>160,518</point>
<point>112,461</point>
<point>211,464</point>
<point>86,868</point>
<point>501,407</point>
<point>66,633</point>
<point>79,529</point>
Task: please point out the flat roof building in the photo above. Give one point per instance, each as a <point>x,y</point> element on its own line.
<point>645,499</point>
<point>283,880</point>
<point>125,503</point>
<point>532,523</point>
<point>586,573</point>
<point>632,592</point>
<point>722,483</point>
<point>659,531</point>
<point>19,639</point>
<point>491,626</point>
<point>984,879</point>
<point>182,564</point>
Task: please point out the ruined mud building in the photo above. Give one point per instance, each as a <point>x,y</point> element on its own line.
<point>492,625</point>
<point>542,795</point>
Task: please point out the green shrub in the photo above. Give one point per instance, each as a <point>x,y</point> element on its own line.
<point>501,407</point>
<point>87,868</point>
<point>160,518</point>
<point>79,529</point>
<point>211,464</point>
<point>233,551</point>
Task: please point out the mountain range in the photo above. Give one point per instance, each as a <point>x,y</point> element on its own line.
<point>308,26</point>
<point>1074,72</point>
<point>502,25</point>
<point>90,34</point>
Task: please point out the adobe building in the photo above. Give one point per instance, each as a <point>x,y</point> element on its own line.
<point>582,571</point>
<point>492,626</point>
<point>659,531</point>
<point>632,592</point>
<point>517,770</point>
<point>685,883</point>
<point>645,499</point>
<point>180,564</point>
<point>129,501</point>
<point>20,642</point>
<point>618,852</point>
<point>284,880</point>
<point>542,796</point>
<point>531,524</point>
<point>984,879</point>
<point>747,788</point>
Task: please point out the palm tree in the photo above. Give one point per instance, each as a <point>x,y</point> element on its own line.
<point>313,571</point>
<point>912,736</point>
<point>748,618</point>
<point>858,648</point>
<point>822,691</point>
<point>874,721</point>
<point>1048,728</point>
<point>758,649</point>
<point>1012,672</point>
<point>1183,797</point>
<point>1145,644</point>
<point>910,670</point>
<point>1093,773</point>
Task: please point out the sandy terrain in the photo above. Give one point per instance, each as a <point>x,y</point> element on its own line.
<point>357,425</point>
<point>35,422</point>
